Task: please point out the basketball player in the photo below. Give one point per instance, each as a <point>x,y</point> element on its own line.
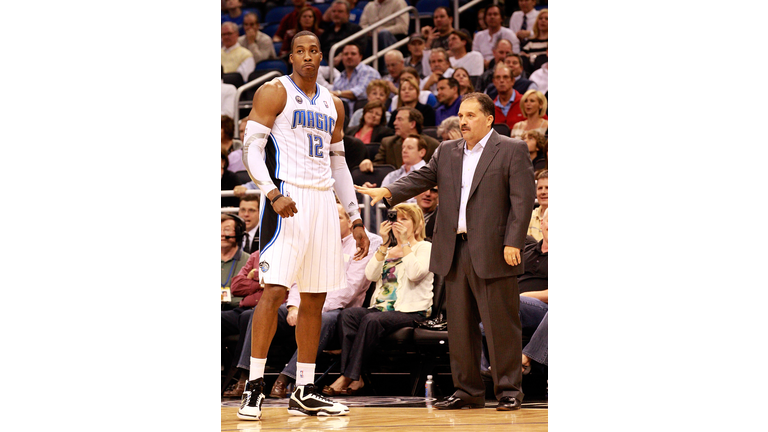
<point>294,152</point>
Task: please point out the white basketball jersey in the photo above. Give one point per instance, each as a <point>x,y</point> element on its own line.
<point>298,148</point>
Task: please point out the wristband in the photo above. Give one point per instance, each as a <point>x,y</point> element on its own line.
<point>275,198</point>
<point>356,225</point>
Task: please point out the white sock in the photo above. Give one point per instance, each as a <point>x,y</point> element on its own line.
<point>305,373</point>
<point>257,368</point>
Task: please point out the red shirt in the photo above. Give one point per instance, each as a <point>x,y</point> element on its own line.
<point>289,22</point>
<point>514,115</point>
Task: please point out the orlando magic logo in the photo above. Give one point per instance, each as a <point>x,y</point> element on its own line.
<point>264,266</point>
<point>298,99</point>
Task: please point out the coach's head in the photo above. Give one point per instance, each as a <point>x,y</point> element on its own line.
<point>476,115</point>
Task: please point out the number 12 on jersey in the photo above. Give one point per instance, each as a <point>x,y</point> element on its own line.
<point>315,150</point>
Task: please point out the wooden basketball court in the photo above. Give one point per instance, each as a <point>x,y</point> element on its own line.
<point>532,417</point>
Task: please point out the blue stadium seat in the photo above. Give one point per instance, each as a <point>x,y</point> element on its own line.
<point>322,6</point>
<point>270,30</point>
<point>276,14</point>
<point>278,45</point>
<point>354,15</point>
<point>427,7</point>
<point>361,5</point>
<point>272,64</point>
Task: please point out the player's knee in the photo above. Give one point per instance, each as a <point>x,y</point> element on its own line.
<point>273,296</point>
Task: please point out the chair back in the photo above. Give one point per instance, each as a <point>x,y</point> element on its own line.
<point>432,132</point>
<point>272,64</point>
<point>502,129</point>
<point>373,149</point>
<point>233,78</point>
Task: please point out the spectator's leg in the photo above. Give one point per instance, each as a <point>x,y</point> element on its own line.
<point>536,350</point>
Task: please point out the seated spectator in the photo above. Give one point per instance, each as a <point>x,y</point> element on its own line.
<point>416,48</point>
<point>541,78</point>
<point>522,84</point>
<point>414,150</point>
<point>501,49</point>
<point>425,96</point>
<point>485,41</point>
<point>228,182</point>
<point>231,147</point>
<point>465,83</point>
<point>448,96</point>
<point>437,37</point>
<point>449,129</point>
<point>235,58</point>
<point>354,150</point>
<point>232,256</point>
<point>537,148</point>
<point>521,21</point>
<point>351,84</point>
<point>542,196</point>
<point>535,352</point>
<point>228,92</point>
<point>508,100</point>
<point>407,122</point>
<point>337,28</point>
<point>249,213</point>
<point>371,130</point>
<point>291,20</point>
<point>377,90</point>
<point>408,96</point>
<point>537,45</point>
<point>481,25</point>
<point>395,64</point>
<point>397,27</point>
<point>258,43</point>
<point>428,201</point>
<point>403,295</point>
<point>439,66</point>
<point>307,22</point>
<point>234,14</point>
<point>534,107</point>
<point>460,42</point>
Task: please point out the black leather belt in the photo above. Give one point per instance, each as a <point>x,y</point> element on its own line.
<point>461,237</point>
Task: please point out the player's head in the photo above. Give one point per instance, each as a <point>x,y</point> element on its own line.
<point>305,54</point>
<point>412,217</point>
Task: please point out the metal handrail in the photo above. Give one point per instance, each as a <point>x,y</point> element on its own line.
<point>245,87</point>
<point>373,27</point>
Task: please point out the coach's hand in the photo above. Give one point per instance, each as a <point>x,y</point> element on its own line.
<point>512,255</point>
<point>362,242</point>
<point>284,206</point>
<point>376,193</point>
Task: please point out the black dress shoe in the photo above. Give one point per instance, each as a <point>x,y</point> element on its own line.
<point>454,402</point>
<point>508,403</point>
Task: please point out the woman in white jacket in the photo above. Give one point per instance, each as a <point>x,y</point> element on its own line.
<point>403,295</point>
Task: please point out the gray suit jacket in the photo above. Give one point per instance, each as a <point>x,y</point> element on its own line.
<point>498,209</point>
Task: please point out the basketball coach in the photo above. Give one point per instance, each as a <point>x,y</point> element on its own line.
<point>486,199</point>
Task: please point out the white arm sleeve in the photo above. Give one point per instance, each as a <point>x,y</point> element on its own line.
<point>255,140</point>
<point>343,185</point>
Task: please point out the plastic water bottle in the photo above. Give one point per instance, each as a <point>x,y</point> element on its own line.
<point>429,392</point>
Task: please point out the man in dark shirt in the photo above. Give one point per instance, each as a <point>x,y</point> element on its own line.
<point>536,259</point>
<point>338,29</point>
<point>428,201</point>
<point>448,96</point>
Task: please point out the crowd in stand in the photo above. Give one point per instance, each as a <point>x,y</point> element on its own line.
<point>405,113</point>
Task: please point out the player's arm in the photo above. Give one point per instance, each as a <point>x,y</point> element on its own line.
<point>343,185</point>
<point>268,102</point>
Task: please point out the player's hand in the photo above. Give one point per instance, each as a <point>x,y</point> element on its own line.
<point>253,274</point>
<point>240,191</point>
<point>292,317</point>
<point>366,165</point>
<point>362,243</point>
<point>376,193</point>
<point>285,207</point>
<point>512,255</point>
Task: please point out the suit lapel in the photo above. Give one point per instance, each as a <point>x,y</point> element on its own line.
<point>457,154</point>
<point>489,152</point>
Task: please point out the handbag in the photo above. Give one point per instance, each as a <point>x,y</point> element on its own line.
<point>435,324</point>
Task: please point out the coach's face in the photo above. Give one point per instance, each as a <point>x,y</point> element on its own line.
<point>306,55</point>
<point>474,123</point>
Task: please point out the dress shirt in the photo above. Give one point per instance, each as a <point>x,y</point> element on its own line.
<point>252,234</point>
<point>262,48</point>
<point>468,166</point>
<point>516,21</point>
<point>358,81</point>
<point>505,108</point>
<point>375,11</point>
<point>246,66</point>
<point>541,77</point>
<point>484,42</point>
<point>401,172</point>
<point>357,284</point>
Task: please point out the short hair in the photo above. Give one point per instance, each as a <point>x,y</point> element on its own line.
<point>232,26</point>
<point>380,83</point>
<point>536,24</point>
<point>496,44</point>
<point>543,174</point>
<point>342,2</point>
<point>410,70</point>
<point>413,116</point>
<point>398,55</point>
<point>502,66</point>
<point>452,83</point>
<point>249,197</point>
<point>228,126</point>
<point>445,8</point>
<point>422,145</point>
<point>416,215</point>
<point>465,37</point>
<point>359,51</point>
<point>449,124</point>
<point>501,12</point>
<point>517,56</point>
<point>372,105</point>
<point>410,80</point>
<point>541,140</point>
<point>304,33</point>
<point>471,87</point>
<point>540,97</point>
<point>254,15</point>
<point>486,104</point>
<point>439,50</point>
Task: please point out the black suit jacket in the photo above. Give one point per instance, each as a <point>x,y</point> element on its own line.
<point>499,207</point>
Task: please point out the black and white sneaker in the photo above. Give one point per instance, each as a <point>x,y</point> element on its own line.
<point>306,400</point>
<point>253,397</point>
